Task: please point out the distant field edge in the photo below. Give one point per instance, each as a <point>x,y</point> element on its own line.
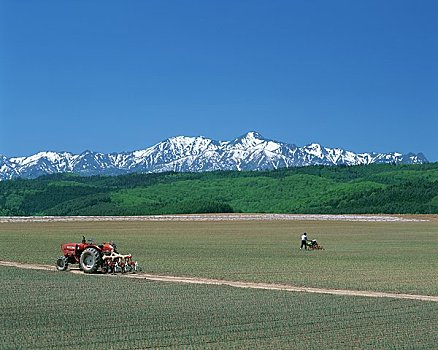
<point>228,217</point>
<point>236,284</point>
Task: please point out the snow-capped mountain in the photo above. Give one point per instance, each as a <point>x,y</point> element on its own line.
<point>194,154</point>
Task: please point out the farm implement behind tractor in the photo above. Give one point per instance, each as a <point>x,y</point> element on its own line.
<point>93,257</point>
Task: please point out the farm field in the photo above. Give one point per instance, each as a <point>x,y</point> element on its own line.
<point>51,310</point>
<point>45,309</point>
<point>377,256</point>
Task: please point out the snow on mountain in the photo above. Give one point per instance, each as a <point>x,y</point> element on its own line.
<point>194,154</point>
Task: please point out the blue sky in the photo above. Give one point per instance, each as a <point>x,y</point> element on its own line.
<point>123,75</point>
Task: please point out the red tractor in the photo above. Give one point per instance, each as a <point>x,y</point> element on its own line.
<point>92,257</point>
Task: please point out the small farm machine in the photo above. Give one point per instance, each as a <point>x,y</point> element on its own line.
<point>93,257</point>
<point>313,245</point>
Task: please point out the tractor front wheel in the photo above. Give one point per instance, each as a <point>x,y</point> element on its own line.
<point>62,263</point>
<point>90,260</point>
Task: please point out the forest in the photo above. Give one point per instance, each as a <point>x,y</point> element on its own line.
<point>364,189</point>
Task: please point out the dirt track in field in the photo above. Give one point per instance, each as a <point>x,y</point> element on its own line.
<point>223,217</point>
<point>237,284</point>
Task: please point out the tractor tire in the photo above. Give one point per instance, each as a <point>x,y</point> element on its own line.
<point>90,260</point>
<point>62,263</point>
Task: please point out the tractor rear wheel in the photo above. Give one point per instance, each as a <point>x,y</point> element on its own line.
<point>62,263</point>
<point>90,260</point>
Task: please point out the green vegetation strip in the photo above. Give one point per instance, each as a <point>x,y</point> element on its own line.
<point>370,189</point>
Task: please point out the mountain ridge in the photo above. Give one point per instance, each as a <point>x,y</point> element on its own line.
<point>250,151</point>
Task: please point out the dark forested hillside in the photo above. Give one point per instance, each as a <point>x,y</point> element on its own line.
<point>317,189</point>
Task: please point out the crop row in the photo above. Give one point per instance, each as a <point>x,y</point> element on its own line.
<point>44,310</point>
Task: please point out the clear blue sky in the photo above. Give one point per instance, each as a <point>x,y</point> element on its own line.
<point>124,75</point>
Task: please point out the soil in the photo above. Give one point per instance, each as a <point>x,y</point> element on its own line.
<point>238,284</point>
<point>223,217</point>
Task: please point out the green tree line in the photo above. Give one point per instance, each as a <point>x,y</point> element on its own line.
<point>367,189</point>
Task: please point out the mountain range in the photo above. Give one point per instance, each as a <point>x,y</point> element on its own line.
<point>195,154</point>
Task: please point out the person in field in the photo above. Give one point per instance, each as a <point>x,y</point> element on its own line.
<point>304,241</point>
